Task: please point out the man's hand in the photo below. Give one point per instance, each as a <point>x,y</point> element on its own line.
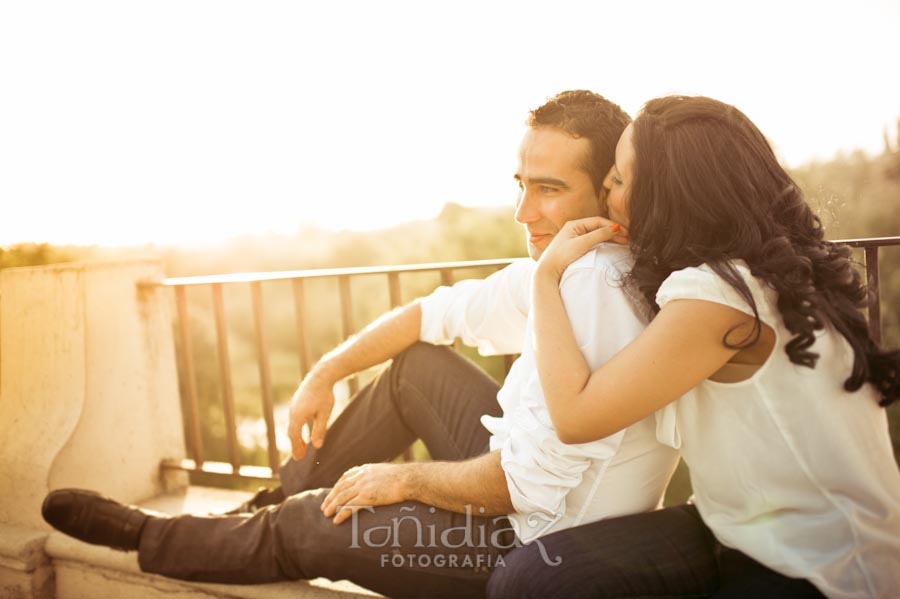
<point>364,486</point>
<point>477,486</point>
<point>313,401</point>
<point>379,341</point>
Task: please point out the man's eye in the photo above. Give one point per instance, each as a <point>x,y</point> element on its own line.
<point>547,189</point>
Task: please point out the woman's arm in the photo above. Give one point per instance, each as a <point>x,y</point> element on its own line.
<point>681,348</point>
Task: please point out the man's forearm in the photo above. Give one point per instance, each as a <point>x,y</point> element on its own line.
<point>378,342</point>
<point>478,485</point>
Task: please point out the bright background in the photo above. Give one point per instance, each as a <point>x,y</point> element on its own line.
<point>193,121</point>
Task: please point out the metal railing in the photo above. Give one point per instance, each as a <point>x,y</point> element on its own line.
<point>298,278</point>
<point>870,248</point>
<point>342,277</point>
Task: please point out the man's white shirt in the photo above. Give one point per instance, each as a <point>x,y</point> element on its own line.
<point>555,486</point>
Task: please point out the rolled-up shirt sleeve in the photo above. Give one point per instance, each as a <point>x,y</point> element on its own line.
<point>489,314</point>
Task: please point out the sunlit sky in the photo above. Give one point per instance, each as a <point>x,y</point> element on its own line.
<point>193,121</point>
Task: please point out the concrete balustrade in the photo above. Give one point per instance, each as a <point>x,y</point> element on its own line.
<point>88,397</point>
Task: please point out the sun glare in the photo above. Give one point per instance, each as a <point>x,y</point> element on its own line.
<point>174,122</point>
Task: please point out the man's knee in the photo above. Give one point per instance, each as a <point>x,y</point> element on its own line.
<point>422,355</point>
<point>300,522</point>
<point>423,365</point>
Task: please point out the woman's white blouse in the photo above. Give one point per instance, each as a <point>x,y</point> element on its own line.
<point>787,466</point>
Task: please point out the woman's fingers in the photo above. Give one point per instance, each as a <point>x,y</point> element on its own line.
<point>573,241</point>
<point>591,223</point>
<point>585,235</point>
<point>583,225</point>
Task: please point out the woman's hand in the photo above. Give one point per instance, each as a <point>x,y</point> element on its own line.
<point>574,240</point>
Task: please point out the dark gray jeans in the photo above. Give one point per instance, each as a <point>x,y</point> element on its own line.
<point>415,550</point>
<point>404,550</point>
<point>664,554</point>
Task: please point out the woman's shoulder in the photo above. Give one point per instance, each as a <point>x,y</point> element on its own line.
<point>704,282</point>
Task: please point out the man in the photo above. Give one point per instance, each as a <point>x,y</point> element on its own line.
<point>500,476</point>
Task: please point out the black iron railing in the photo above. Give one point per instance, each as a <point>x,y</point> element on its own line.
<point>342,277</point>
<point>254,281</point>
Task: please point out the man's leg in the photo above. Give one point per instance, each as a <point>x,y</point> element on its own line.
<point>403,550</point>
<point>428,392</point>
<point>662,554</point>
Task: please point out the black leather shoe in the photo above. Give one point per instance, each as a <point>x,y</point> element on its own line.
<point>264,497</point>
<point>95,519</point>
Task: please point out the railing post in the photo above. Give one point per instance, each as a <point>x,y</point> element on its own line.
<point>302,328</point>
<point>347,321</point>
<point>225,375</point>
<point>195,439</point>
<point>875,305</point>
<point>394,289</point>
<point>265,379</point>
<point>447,281</point>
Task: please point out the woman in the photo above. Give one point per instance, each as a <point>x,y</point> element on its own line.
<point>757,329</point>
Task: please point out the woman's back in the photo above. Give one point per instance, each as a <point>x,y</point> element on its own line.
<point>786,465</point>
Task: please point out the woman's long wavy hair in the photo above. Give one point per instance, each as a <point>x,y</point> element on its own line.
<point>707,188</point>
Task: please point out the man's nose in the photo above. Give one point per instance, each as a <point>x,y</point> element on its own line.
<point>526,209</point>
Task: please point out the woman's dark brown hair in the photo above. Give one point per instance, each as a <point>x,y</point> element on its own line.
<point>708,189</point>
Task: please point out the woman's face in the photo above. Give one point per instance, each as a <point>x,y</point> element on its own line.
<point>618,180</point>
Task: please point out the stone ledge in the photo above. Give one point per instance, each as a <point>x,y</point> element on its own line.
<point>84,570</point>
<point>22,549</point>
<point>97,572</point>
<point>25,571</point>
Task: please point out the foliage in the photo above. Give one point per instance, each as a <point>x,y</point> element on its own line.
<point>35,254</point>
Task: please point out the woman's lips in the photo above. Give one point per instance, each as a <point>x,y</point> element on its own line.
<point>537,237</point>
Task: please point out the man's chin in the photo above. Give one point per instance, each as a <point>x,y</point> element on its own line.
<point>535,251</point>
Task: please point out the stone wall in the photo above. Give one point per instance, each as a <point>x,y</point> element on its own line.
<point>88,392</point>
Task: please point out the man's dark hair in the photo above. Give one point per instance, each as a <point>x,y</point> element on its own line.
<point>581,113</point>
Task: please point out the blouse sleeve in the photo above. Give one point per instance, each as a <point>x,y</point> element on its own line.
<point>702,283</point>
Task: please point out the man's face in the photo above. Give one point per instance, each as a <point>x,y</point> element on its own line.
<point>553,186</point>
